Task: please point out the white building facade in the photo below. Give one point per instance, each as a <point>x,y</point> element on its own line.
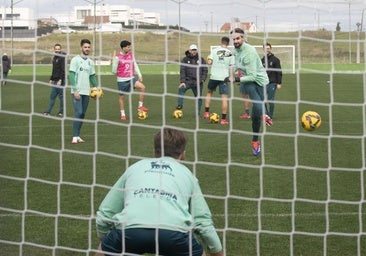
<point>24,18</point>
<point>17,18</point>
<point>118,14</point>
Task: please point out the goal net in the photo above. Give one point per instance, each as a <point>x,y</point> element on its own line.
<point>303,195</point>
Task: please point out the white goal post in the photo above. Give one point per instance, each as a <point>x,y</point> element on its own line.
<point>286,54</point>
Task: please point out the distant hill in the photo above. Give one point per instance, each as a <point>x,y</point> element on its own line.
<point>163,45</point>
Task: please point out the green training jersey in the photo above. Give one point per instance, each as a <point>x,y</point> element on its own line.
<point>83,67</point>
<point>222,59</point>
<point>158,193</point>
<point>249,63</point>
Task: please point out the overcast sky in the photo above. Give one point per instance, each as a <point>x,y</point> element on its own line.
<point>209,15</point>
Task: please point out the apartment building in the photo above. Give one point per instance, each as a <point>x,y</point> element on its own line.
<point>17,18</point>
<point>118,14</point>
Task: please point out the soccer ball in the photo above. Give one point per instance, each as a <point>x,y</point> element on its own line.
<point>142,115</point>
<point>96,93</point>
<point>178,114</point>
<point>214,118</point>
<point>311,121</point>
<point>209,58</point>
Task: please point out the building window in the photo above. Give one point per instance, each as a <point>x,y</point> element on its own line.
<point>15,16</point>
<point>81,14</point>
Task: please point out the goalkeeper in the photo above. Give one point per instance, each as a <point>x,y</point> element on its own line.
<point>157,207</point>
<point>81,77</point>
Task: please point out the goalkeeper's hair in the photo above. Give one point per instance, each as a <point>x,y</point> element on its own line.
<point>170,142</point>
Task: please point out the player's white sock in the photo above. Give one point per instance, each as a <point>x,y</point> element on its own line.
<point>140,104</point>
<point>123,113</point>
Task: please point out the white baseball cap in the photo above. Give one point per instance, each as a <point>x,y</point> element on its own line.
<point>193,47</point>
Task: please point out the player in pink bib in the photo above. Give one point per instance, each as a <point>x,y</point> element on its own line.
<point>125,67</point>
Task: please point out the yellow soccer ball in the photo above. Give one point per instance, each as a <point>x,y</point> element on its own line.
<point>311,121</point>
<point>178,114</point>
<point>209,59</point>
<point>96,93</point>
<point>214,118</point>
<point>142,115</point>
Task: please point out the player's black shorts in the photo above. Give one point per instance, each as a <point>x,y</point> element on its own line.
<point>143,240</point>
<point>223,87</point>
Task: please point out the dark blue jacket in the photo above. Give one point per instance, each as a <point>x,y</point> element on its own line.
<point>5,63</point>
<point>188,69</point>
<point>58,67</point>
<point>273,68</point>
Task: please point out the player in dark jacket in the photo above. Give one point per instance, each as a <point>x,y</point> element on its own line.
<point>57,80</point>
<point>272,64</point>
<point>5,61</point>
<point>193,73</point>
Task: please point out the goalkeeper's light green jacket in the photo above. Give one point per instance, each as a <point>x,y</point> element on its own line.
<point>249,63</point>
<point>158,192</point>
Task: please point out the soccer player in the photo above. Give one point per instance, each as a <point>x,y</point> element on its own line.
<point>254,78</point>
<point>193,73</point>
<point>273,66</point>
<point>57,80</point>
<point>222,62</point>
<point>5,63</point>
<point>125,67</point>
<point>157,206</point>
<point>81,76</point>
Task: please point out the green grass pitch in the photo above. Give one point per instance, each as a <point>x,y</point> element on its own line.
<point>304,195</point>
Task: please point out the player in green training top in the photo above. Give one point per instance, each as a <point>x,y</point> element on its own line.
<point>222,61</point>
<point>81,76</point>
<point>157,207</point>
<point>254,78</point>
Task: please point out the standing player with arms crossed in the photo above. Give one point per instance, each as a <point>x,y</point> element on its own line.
<point>57,80</point>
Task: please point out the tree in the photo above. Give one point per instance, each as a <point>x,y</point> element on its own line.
<point>338,28</point>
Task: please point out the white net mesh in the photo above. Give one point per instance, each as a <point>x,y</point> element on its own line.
<point>304,194</point>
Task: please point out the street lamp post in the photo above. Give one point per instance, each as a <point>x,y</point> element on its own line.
<point>359,30</point>
<point>349,31</point>
<point>12,3</point>
<point>211,21</point>
<point>95,2</point>
<point>362,19</point>
<point>179,2</point>
<point>358,43</point>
